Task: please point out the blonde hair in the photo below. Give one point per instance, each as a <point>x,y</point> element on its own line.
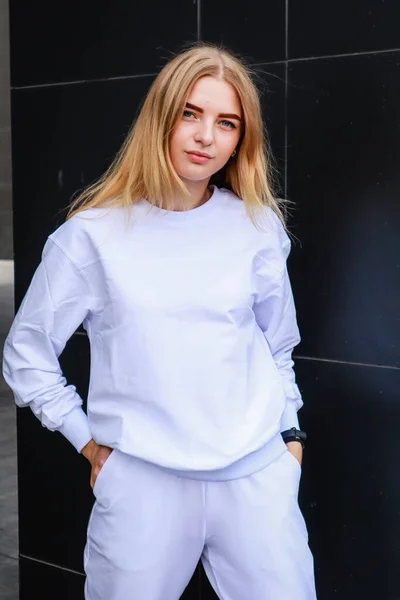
<point>143,167</point>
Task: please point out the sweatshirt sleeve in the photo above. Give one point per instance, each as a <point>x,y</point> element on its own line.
<point>58,300</point>
<point>275,313</point>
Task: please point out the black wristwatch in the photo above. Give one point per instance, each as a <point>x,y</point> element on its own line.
<point>294,435</point>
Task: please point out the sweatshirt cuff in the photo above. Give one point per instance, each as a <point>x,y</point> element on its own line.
<point>289,418</point>
<point>76,428</point>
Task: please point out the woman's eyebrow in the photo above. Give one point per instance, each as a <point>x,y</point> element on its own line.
<point>224,115</point>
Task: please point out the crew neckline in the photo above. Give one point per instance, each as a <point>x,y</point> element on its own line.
<point>192,213</point>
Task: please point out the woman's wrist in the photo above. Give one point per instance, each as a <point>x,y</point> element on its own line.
<point>296,449</point>
<point>89,449</point>
<point>294,435</point>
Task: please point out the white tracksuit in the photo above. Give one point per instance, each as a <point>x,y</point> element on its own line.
<point>191,323</point>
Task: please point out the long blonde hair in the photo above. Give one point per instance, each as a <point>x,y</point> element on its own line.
<point>143,167</point>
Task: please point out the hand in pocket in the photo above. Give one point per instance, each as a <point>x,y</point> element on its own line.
<point>97,455</point>
<point>296,450</point>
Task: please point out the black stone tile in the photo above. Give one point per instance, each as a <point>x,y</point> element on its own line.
<point>324,28</point>
<point>271,82</point>
<point>207,592</point>
<point>55,497</point>
<point>47,582</point>
<point>255,29</point>
<point>343,175</point>
<point>64,137</point>
<point>70,41</point>
<point>193,589</point>
<point>350,489</point>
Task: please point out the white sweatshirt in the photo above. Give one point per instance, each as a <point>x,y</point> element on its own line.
<point>191,323</point>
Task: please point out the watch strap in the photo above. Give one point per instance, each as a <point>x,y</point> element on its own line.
<point>294,435</point>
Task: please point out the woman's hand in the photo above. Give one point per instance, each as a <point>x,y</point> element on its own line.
<point>296,449</point>
<point>97,456</point>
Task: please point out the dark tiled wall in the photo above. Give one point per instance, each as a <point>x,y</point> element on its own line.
<point>330,74</point>
<point>343,140</point>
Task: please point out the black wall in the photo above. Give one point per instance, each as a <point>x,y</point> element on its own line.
<point>332,101</point>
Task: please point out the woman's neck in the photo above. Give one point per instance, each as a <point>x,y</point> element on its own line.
<point>199,194</point>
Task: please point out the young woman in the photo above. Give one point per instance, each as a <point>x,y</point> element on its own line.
<point>175,262</point>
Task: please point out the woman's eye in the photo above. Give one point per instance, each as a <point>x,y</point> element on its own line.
<point>228,124</point>
<point>188,113</point>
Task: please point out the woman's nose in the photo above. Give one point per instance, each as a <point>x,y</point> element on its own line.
<point>205,133</point>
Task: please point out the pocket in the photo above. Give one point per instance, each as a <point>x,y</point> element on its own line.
<point>104,474</point>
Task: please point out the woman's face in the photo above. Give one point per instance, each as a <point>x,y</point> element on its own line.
<point>208,131</point>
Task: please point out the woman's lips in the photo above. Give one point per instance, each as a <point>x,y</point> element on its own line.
<point>199,159</point>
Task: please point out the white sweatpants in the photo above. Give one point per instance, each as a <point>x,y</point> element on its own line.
<point>149,528</point>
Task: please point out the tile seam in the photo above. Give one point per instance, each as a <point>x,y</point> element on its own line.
<point>255,64</point>
<point>345,362</point>
<point>49,564</point>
